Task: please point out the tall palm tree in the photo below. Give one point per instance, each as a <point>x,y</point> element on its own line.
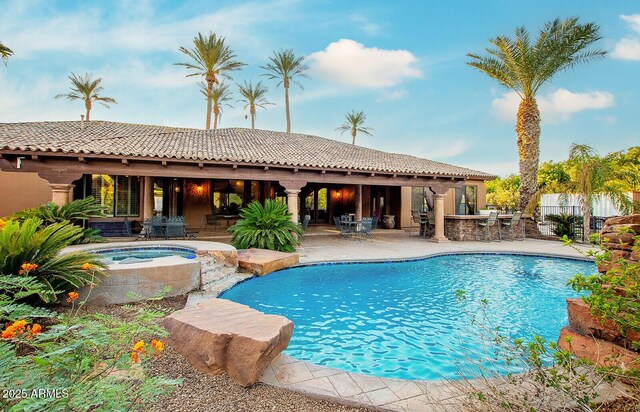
<point>524,67</point>
<point>220,95</point>
<point>591,175</point>
<point>284,66</point>
<point>5,52</point>
<point>253,97</point>
<point>87,89</point>
<point>211,58</point>
<point>354,123</point>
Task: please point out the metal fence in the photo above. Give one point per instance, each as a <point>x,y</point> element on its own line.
<point>567,220</point>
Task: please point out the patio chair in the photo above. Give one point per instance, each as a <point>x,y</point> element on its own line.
<point>487,225</point>
<point>175,229</point>
<point>305,224</point>
<point>415,218</point>
<point>511,223</point>
<point>428,221</point>
<point>345,230</point>
<point>211,220</point>
<point>366,227</point>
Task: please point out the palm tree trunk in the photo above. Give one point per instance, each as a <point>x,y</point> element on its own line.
<point>209,101</point>
<point>353,134</point>
<point>286,103</point>
<point>87,105</point>
<point>252,109</point>
<point>216,113</point>
<point>528,130</point>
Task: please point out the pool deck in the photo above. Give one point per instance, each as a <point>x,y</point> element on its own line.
<point>383,393</point>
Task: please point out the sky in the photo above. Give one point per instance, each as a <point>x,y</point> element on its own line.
<point>402,62</point>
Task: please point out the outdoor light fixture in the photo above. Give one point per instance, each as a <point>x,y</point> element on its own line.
<point>19,162</point>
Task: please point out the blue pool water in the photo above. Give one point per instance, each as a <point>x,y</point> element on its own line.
<point>137,254</point>
<point>403,320</point>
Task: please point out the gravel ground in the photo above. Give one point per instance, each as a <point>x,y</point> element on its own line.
<point>202,392</point>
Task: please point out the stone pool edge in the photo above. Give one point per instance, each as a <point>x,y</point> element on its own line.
<point>389,394</point>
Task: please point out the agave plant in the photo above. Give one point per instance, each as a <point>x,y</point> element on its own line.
<point>75,212</point>
<point>266,227</point>
<point>30,248</point>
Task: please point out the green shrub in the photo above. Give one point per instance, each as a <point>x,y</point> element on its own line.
<point>75,212</point>
<point>86,363</point>
<point>266,227</point>
<point>565,224</point>
<point>29,248</point>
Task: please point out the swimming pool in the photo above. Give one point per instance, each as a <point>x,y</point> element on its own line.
<point>142,253</point>
<point>403,320</point>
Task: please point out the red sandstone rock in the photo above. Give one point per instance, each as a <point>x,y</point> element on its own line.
<point>219,335</point>
<point>262,262</point>
<point>598,351</point>
<point>624,220</point>
<point>619,237</point>
<point>617,246</point>
<point>620,228</point>
<point>584,322</point>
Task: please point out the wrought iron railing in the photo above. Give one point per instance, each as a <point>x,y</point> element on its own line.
<point>561,220</point>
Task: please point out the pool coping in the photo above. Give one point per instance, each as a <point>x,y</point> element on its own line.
<point>373,392</point>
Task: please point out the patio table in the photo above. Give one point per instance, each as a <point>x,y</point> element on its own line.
<point>228,218</point>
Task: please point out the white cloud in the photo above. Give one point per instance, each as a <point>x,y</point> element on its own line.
<point>440,148</point>
<point>364,24</point>
<point>502,169</point>
<point>628,48</point>
<point>633,20</point>
<point>393,95</point>
<point>555,107</point>
<point>352,64</point>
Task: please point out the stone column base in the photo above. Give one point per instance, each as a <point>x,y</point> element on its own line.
<point>439,239</point>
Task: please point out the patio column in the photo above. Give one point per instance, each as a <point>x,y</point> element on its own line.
<point>439,236</point>
<point>61,193</point>
<point>148,198</point>
<point>292,189</point>
<point>292,203</point>
<point>358,202</point>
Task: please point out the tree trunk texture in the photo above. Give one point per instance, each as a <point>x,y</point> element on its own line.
<point>87,105</point>
<point>216,114</point>
<point>209,101</point>
<point>252,110</point>
<point>353,134</point>
<point>586,218</point>
<point>286,103</point>
<point>528,130</point>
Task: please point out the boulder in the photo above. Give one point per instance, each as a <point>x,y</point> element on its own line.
<point>598,351</point>
<point>219,335</point>
<point>584,322</point>
<point>262,261</point>
<point>624,220</point>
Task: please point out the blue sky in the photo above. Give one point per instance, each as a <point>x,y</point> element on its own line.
<point>403,63</point>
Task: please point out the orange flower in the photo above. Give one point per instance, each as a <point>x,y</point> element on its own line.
<point>134,357</point>
<point>86,266</point>
<point>25,268</point>
<point>73,296</point>
<point>8,333</point>
<point>139,346</point>
<point>2,223</point>
<point>35,329</point>
<point>16,328</point>
<point>158,346</point>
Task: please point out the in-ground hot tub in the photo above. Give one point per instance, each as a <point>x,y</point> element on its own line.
<point>138,271</point>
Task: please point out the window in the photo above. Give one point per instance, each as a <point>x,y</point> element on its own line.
<point>421,199</point>
<point>466,200</point>
<point>119,195</point>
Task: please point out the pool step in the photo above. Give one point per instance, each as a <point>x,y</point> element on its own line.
<point>213,289</point>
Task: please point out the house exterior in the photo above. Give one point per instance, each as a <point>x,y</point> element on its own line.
<point>138,171</point>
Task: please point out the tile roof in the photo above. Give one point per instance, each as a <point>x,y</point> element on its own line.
<point>223,145</point>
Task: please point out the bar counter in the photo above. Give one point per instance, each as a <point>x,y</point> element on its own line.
<point>463,227</point>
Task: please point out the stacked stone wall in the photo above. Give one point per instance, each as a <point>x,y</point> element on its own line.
<point>602,342</point>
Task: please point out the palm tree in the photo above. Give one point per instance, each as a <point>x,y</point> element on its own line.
<point>212,58</point>
<point>524,67</point>
<point>5,52</point>
<point>253,97</point>
<point>87,89</point>
<point>285,67</point>
<point>220,95</point>
<point>591,175</point>
<point>354,123</point>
